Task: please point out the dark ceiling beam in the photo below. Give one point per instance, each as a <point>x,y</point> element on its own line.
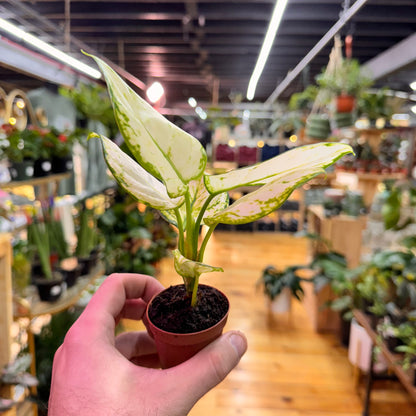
<point>309,12</point>
<point>237,2</point>
<point>307,41</point>
<point>219,15</point>
<point>302,28</point>
<point>225,50</point>
<point>229,50</point>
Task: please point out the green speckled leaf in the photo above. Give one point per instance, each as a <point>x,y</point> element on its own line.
<point>160,147</point>
<point>188,268</point>
<point>135,180</point>
<point>199,195</point>
<point>264,200</point>
<point>310,157</point>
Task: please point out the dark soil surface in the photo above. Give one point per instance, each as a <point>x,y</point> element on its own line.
<point>172,311</point>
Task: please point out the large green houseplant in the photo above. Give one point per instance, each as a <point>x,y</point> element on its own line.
<point>169,176</point>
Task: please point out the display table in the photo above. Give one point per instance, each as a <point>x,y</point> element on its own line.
<point>343,232</point>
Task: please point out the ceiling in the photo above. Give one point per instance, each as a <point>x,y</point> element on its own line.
<point>207,48</point>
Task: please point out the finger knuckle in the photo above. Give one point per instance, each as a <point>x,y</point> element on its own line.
<point>218,366</point>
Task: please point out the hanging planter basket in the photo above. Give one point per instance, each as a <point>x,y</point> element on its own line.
<point>345,103</point>
<point>344,120</point>
<point>318,126</point>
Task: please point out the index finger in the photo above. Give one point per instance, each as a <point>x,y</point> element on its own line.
<point>109,300</point>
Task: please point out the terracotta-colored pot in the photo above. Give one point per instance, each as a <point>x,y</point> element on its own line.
<point>345,103</point>
<point>173,348</point>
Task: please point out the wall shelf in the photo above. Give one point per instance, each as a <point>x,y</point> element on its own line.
<point>69,298</point>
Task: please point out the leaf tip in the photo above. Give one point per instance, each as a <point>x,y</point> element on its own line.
<point>93,135</point>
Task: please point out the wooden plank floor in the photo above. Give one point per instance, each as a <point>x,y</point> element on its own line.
<point>288,370</point>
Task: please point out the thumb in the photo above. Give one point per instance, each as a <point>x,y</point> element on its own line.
<point>210,366</point>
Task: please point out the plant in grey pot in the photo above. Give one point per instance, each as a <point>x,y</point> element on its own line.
<point>168,174</point>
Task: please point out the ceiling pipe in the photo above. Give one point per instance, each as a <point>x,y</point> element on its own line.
<point>81,45</point>
<point>344,18</point>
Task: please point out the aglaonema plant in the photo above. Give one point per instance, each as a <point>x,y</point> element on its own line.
<point>168,174</point>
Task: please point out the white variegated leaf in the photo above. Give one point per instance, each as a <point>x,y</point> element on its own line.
<point>319,155</point>
<point>264,200</point>
<point>198,196</point>
<point>191,269</point>
<point>160,147</point>
<point>136,180</point>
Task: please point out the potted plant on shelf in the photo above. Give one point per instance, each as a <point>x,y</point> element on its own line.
<point>169,176</point>
<point>375,105</point>
<point>49,282</point>
<point>61,151</point>
<point>280,286</point>
<point>20,152</point>
<point>66,263</point>
<point>21,266</point>
<point>135,239</point>
<point>86,235</point>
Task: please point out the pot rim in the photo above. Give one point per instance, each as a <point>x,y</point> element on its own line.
<point>177,338</point>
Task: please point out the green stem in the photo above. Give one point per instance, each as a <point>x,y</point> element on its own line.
<point>198,222</point>
<point>180,229</point>
<point>205,242</point>
<point>195,292</point>
<point>189,228</point>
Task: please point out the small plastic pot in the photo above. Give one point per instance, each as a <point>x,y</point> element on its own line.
<point>173,348</point>
<point>70,277</point>
<point>41,168</point>
<point>21,171</point>
<point>61,164</point>
<point>50,290</point>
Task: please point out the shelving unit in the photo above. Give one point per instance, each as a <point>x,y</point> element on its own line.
<point>391,359</point>
<point>6,311</point>
<point>369,182</point>
<point>43,187</point>
<point>36,181</point>
<point>13,307</point>
<point>23,309</point>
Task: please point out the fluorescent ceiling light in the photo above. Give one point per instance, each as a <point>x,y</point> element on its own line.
<point>49,49</point>
<point>192,102</point>
<point>202,114</point>
<point>413,85</point>
<point>267,45</point>
<point>154,92</point>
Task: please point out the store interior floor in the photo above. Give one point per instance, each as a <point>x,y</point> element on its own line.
<point>289,369</point>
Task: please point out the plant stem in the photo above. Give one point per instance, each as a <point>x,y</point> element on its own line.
<point>198,223</point>
<point>204,243</point>
<point>195,292</point>
<point>189,228</point>
<point>180,230</point>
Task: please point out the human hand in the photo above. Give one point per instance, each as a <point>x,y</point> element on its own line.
<point>96,373</point>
